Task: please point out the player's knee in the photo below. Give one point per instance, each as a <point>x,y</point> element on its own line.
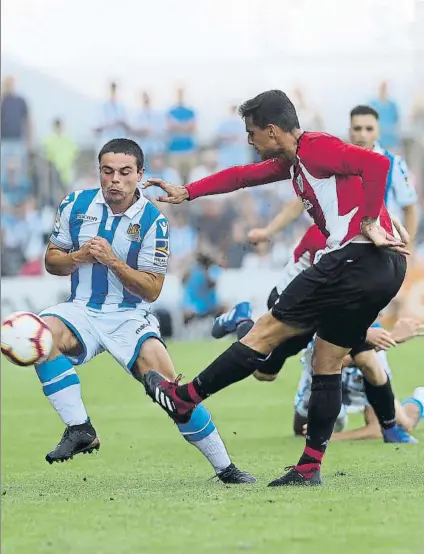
<point>264,376</point>
<point>58,330</point>
<point>153,355</point>
<point>368,364</point>
<point>266,334</point>
<point>327,359</point>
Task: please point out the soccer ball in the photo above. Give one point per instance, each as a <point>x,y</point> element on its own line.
<point>25,339</point>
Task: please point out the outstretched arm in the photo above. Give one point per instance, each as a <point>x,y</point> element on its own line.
<point>228,180</point>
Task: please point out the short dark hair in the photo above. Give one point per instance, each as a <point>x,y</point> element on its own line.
<point>271,107</point>
<point>124,146</point>
<point>364,110</point>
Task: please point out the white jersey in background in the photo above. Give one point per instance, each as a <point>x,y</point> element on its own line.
<point>139,237</point>
<point>353,393</point>
<point>400,191</point>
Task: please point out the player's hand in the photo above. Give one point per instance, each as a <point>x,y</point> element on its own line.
<point>83,255</point>
<point>255,236</point>
<point>304,429</point>
<point>404,235</point>
<point>381,338</point>
<point>175,193</point>
<point>382,238</point>
<point>407,328</point>
<point>102,251</point>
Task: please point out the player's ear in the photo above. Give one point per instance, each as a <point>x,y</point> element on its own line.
<point>272,131</point>
<point>140,174</point>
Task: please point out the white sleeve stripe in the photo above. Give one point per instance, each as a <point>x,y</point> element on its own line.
<point>59,243</point>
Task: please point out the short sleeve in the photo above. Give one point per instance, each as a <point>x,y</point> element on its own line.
<point>403,190</point>
<point>154,251</point>
<point>61,235</point>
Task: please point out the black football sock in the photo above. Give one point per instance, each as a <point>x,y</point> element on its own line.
<point>324,407</point>
<point>382,400</point>
<point>235,364</point>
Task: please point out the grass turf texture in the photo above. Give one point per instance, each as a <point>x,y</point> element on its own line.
<point>148,491</point>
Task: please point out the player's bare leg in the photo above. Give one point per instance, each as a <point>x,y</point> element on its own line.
<point>197,428</point>
<point>62,387</point>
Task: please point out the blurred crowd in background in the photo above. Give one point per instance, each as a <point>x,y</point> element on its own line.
<point>35,177</point>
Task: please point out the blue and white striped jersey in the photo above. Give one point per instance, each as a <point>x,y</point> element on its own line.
<point>139,237</point>
<point>400,191</point>
<point>353,393</point>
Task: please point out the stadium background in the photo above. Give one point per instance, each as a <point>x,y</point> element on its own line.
<point>376,41</point>
<point>146,491</point>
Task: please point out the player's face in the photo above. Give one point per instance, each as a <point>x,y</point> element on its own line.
<point>263,140</point>
<point>119,177</point>
<point>364,131</point>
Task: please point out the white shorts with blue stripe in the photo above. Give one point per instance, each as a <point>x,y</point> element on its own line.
<point>120,332</point>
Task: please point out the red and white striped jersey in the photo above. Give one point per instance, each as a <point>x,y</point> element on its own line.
<point>339,184</point>
<point>309,251</point>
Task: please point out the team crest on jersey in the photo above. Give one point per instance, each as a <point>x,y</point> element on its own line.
<point>133,232</point>
<point>299,181</point>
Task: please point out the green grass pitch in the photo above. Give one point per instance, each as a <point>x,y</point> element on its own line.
<point>147,490</point>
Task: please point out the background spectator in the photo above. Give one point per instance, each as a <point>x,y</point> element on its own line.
<point>112,121</point>
<point>182,128</point>
<point>200,295</point>
<point>231,140</point>
<point>15,127</point>
<point>149,129</point>
<point>389,118</point>
<point>208,164</point>
<point>309,117</point>
<point>61,152</point>
<point>184,242</point>
<point>16,186</point>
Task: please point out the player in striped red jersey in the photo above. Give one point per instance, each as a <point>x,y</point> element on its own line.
<point>342,188</point>
<point>308,252</point>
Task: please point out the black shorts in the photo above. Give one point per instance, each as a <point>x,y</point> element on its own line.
<point>342,295</point>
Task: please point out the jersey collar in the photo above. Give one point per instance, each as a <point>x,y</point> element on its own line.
<point>132,210</point>
<point>377,148</point>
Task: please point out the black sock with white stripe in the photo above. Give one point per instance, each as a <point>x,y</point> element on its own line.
<point>235,364</point>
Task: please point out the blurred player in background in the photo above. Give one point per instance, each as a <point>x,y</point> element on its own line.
<point>114,244</point>
<point>408,413</point>
<point>400,197</point>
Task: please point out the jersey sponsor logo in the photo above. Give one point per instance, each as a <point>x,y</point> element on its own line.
<point>133,232</point>
<point>162,229</point>
<point>161,243</point>
<point>162,247</point>
<point>86,217</point>
<point>141,328</point>
<point>161,252</point>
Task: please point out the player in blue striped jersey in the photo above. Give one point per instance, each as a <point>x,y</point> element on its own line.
<point>408,413</point>
<point>114,244</point>
<point>401,197</point>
